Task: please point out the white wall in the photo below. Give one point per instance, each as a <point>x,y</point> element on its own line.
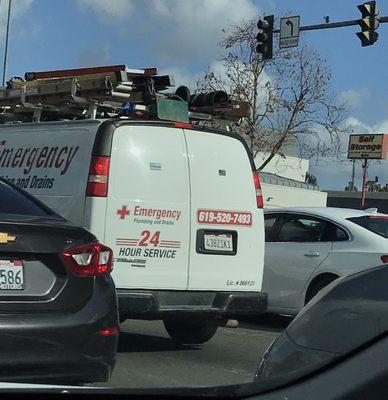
<point>288,167</point>
<point>285,196</point>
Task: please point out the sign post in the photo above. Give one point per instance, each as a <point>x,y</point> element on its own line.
<point>367,147</point>
<point>364,175</point>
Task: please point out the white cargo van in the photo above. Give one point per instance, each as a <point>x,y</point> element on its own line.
<point>180,205</point>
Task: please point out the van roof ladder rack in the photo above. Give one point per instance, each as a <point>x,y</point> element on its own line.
<point>108,91</point>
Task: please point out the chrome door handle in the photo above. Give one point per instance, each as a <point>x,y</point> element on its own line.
<point>312,254</point>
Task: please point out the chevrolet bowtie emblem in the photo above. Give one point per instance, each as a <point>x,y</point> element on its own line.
<point>5,238</point>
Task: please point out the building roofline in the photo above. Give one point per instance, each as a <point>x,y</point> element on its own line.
<point>267,177</point>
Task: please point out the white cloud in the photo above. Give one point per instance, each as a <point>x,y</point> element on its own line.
<point>181,76</point>
<point>354,98</point>
<point>192,29</point>
<point>351,125</point>
<point>175,31</point>
<point>381,127</point>
<point>220,70</point>
<point>96,57</point>
<point>29,31</point>
<point>108,10</point>
<point>18,8</point>
<point>355,124</point>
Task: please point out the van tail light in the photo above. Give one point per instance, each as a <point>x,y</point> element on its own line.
<point>98,177</point>
<point>384,258</point>
<point>92,259</point>
<point>259,193</point>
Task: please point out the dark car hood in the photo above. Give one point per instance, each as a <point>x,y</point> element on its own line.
<point>345,315</point>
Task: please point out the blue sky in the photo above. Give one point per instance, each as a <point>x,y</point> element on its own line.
<point>181,36</point>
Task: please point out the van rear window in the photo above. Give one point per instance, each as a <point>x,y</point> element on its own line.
<point>13,202</point>
<point>375,223</point>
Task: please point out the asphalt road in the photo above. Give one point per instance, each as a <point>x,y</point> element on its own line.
<point>148,358</point>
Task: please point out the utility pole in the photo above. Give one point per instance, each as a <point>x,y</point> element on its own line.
<point>353,174</point>
<point>6,41</point>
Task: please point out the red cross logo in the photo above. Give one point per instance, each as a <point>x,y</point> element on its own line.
<point>123,212</point>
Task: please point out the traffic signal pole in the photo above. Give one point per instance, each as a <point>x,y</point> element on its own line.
<point>332,25</point>
<point>369,22</point>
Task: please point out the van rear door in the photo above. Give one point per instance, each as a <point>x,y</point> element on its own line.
<point>148,223</point>
<point>227,228</point>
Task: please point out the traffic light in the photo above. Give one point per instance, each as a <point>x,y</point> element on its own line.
<point>369,23</point>
<point>265,37</point>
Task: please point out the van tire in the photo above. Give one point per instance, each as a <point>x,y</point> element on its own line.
<point>318,284</point>
<point>185,332</point>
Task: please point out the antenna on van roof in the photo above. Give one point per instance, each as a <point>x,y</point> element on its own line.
<point>110,91</point>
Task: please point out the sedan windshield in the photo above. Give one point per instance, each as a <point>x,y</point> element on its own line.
<point>375,223</point>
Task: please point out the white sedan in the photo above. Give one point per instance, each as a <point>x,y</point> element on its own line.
<point>309,247</point>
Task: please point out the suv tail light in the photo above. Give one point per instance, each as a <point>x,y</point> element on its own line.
<point>98,176</point>
<point>93,259</point>
<point>259,193</point>
<point>384,259</point>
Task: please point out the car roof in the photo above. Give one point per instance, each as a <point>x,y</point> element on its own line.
<point>328,212</point>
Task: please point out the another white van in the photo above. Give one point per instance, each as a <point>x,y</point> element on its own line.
<point>180,205</point>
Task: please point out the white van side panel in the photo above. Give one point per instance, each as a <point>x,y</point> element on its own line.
<point>50,161</point>
<point>95,216</point>
<point>222,187</point>
<point>148,214</point>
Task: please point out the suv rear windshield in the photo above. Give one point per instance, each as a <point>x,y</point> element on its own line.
<point>375,223</point>
<point>13,202</point>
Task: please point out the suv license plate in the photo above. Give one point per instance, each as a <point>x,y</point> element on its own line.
<point>11,275</point>
<point>218,242</point>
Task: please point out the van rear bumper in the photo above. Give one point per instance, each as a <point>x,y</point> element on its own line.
<point>157,304</point>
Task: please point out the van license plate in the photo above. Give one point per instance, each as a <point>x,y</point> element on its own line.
<point>222,242</point>
<point>11,275</point>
